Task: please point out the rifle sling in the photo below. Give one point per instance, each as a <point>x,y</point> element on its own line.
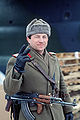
<point>43,72</point>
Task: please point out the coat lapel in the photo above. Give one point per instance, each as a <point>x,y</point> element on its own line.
<point>39,60</point>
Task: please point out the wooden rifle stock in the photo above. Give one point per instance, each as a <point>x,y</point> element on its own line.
<point>8,105</point>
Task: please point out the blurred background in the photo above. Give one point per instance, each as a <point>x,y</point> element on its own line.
<point>64,18</point>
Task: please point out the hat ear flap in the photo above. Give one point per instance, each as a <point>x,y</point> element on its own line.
<point>44,22</point>
<point>31,23</point>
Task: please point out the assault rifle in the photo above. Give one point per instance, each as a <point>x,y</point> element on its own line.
<point>25,98</point>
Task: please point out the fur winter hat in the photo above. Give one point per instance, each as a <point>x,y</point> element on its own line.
<point>38,26</point>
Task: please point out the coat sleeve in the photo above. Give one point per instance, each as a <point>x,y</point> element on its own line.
<point>64,94</point>
<point>10,85</point>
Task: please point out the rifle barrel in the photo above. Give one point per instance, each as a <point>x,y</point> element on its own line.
<point>64,103</point>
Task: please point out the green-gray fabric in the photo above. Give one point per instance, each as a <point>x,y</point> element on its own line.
<point>32,81</point>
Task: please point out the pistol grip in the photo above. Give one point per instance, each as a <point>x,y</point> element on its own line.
<point>39,108</point>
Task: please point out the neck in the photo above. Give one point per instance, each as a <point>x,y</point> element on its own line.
<point>41,52</point>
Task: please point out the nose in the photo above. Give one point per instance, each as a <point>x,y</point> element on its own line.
<point>41,39</point>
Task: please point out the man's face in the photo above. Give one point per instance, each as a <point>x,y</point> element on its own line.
<point>38,42</point>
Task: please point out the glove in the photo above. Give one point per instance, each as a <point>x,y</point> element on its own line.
<point>22,58</point>
<point>69,116</point>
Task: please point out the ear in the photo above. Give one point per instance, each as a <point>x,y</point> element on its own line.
<point>28,39</point>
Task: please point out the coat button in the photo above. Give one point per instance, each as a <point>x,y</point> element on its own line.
<point>49,84</point>
<point>49,94</point>
<point>51,105</point>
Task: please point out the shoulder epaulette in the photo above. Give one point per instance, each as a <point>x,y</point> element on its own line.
<point>52,53</point>
<point>15,55</point>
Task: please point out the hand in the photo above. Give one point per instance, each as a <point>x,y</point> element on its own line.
<point>22,58</point>
<point>69,116</point>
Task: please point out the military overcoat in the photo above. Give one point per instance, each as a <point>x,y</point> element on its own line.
<point>32,81</point>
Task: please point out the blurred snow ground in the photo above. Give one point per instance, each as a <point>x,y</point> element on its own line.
<point>2,77</point>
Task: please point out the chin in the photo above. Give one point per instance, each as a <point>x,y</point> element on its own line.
<point>40,49</point>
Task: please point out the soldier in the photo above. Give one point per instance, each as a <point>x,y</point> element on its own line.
<point>22,74</point>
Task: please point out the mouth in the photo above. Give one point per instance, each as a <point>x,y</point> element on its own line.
<point>41,45</point>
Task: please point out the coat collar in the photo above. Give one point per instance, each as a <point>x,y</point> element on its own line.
<point>39,59</point>
<point>47,61</point>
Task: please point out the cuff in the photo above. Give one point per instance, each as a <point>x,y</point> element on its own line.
<point>16,75</point>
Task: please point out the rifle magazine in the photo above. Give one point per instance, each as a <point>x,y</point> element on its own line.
<point>26,111</point>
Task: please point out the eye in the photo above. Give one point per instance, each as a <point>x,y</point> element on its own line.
<point>37,36</point>
<point>44,37</point>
